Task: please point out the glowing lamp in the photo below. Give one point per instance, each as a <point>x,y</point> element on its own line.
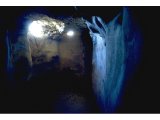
<point>70,33</point>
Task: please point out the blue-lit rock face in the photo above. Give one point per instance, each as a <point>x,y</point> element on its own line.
<point>115,54</point>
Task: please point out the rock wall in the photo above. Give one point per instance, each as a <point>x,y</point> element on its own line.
<point>37,52</point>
<point>115,53</point>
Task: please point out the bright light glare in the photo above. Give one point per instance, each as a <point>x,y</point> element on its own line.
<point>70,33</point>
<point>36,28</point>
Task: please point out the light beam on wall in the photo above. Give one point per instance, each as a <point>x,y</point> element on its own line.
<point>36,29</point>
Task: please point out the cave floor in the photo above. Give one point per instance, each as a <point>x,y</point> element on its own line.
<point>51,94</point>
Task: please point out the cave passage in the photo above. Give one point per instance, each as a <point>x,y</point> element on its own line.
<point>49,64</point>
<point>67,59</point>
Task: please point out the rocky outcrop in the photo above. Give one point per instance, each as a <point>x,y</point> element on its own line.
<point>115,54</point>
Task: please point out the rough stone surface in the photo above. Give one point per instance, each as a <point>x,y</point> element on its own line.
<point>115,53</point>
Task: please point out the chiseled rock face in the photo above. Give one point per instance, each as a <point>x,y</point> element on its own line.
<point>112,57</point>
